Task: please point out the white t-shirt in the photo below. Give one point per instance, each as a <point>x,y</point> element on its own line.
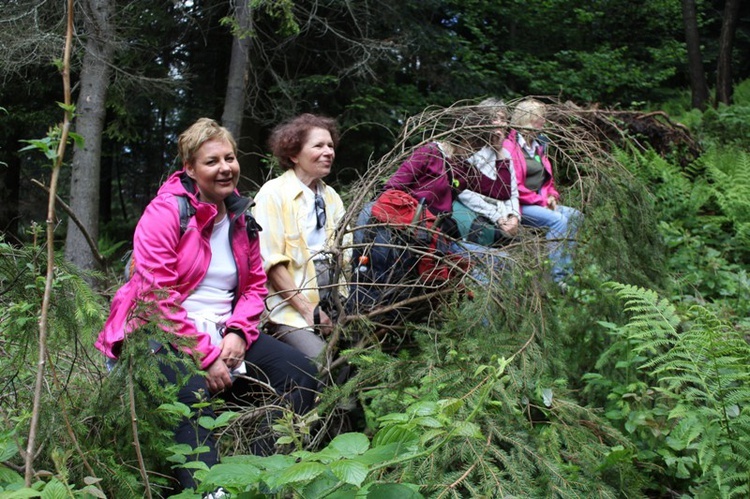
<point>210,304</point>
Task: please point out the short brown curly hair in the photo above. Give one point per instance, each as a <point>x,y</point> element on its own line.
<point>287,139</point>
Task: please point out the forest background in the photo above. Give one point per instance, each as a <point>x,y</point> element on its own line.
<point>635,384</point>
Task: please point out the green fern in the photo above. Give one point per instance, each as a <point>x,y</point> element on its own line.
<point>698,371</point>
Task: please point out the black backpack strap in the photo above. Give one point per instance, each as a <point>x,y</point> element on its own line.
<point>251,226</point>
<point>186,211</point>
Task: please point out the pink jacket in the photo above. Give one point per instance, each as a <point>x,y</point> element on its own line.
<point>526,196</point>
<point>169,267</point>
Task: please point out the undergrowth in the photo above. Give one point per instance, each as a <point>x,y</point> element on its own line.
<point>501,388</point>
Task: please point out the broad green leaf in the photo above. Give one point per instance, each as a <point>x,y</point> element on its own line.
<point>55,490</point>
<point>94,491</point>
<point>468,429</point>
<point>22,494</point>
<point>350,444</point>
<point>428,422</point>
<point>207,422</point>
<point>78,139</point>
<point>8,475</point>
<point>450,407</point>
<point>195,465</point>
<point>423,409</point>
<point>225,417</point>
<point>300,472</point>
<point>430,434</point>
<point>351,472</point>
<point>398,417</point>
<point>384,453</point>
<point>327,455</point>
<point>324,484</point>
<point>394,434</point>
<point>232,475</point>
<point>177,458</point>
<point>392,491</point>
<point>684,433</point>
<point>177,408</point>
<point>272,463</point>
<point>8,449</point>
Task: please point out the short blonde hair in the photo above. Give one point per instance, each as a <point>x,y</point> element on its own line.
<point>526,112</point>
<point>203,130</point>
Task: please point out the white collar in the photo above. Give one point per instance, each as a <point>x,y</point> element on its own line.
<point>484,160</point>
<point>529,148</point>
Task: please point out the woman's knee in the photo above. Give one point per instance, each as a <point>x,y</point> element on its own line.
<point>303,371</point>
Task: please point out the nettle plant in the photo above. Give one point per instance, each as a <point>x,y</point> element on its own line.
<point>352,463</point>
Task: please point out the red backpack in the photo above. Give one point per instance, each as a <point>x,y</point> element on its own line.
<point>404,213</point>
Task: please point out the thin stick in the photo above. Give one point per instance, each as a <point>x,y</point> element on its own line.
<point>134,425</point>
<point>71,214</point>
<point>43,321</point>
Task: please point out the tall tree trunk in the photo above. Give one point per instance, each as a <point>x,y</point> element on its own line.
<point>698,83</point>
<point>234,104</point>
<point>10,190</point>
<point>86,167</point>
<point>726,44</point>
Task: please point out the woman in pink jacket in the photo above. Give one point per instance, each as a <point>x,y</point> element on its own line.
<point>540,201</point>
<point>204,283</point>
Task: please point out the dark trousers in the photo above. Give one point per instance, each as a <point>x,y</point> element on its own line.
<point>291,375</point>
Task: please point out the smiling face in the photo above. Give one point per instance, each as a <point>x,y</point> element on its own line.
<point>314,160</point>
<point>215,171</point>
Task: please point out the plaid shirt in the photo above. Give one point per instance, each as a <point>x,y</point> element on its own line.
<point>281,209</point>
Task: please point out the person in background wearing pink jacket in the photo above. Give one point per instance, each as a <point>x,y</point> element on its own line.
<point>206,285</point>
<point>540,201</point>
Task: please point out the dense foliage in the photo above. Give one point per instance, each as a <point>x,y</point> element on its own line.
<point>369,65</point>
<point>633,383</point>
<point>628,389</point>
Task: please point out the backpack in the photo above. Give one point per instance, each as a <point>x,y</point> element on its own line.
<point>477,228</point>
<point>186,212</point>
<point>397,251</point>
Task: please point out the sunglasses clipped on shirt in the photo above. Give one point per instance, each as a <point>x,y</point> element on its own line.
<point>320,211</point>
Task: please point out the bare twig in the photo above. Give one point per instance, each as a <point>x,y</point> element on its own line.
<point>44,317</point>
<point>71,214</point>
<point>134,426</point>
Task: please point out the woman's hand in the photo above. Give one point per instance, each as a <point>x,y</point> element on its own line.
<point>552,203</point>
<point>233,348</point>
<point>324,324</point>
<point>509,225</point>
<point>217,376</point>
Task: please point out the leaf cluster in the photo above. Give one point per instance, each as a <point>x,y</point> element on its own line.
<point>679,387</point>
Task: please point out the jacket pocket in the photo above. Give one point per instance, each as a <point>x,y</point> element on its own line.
<point>295,248</point>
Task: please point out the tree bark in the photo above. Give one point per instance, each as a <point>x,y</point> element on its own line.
<point>234,103</point>
<point>10,190</point>
<point>698,84</point>
<point>726,44</point>
<point>90,109</point>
